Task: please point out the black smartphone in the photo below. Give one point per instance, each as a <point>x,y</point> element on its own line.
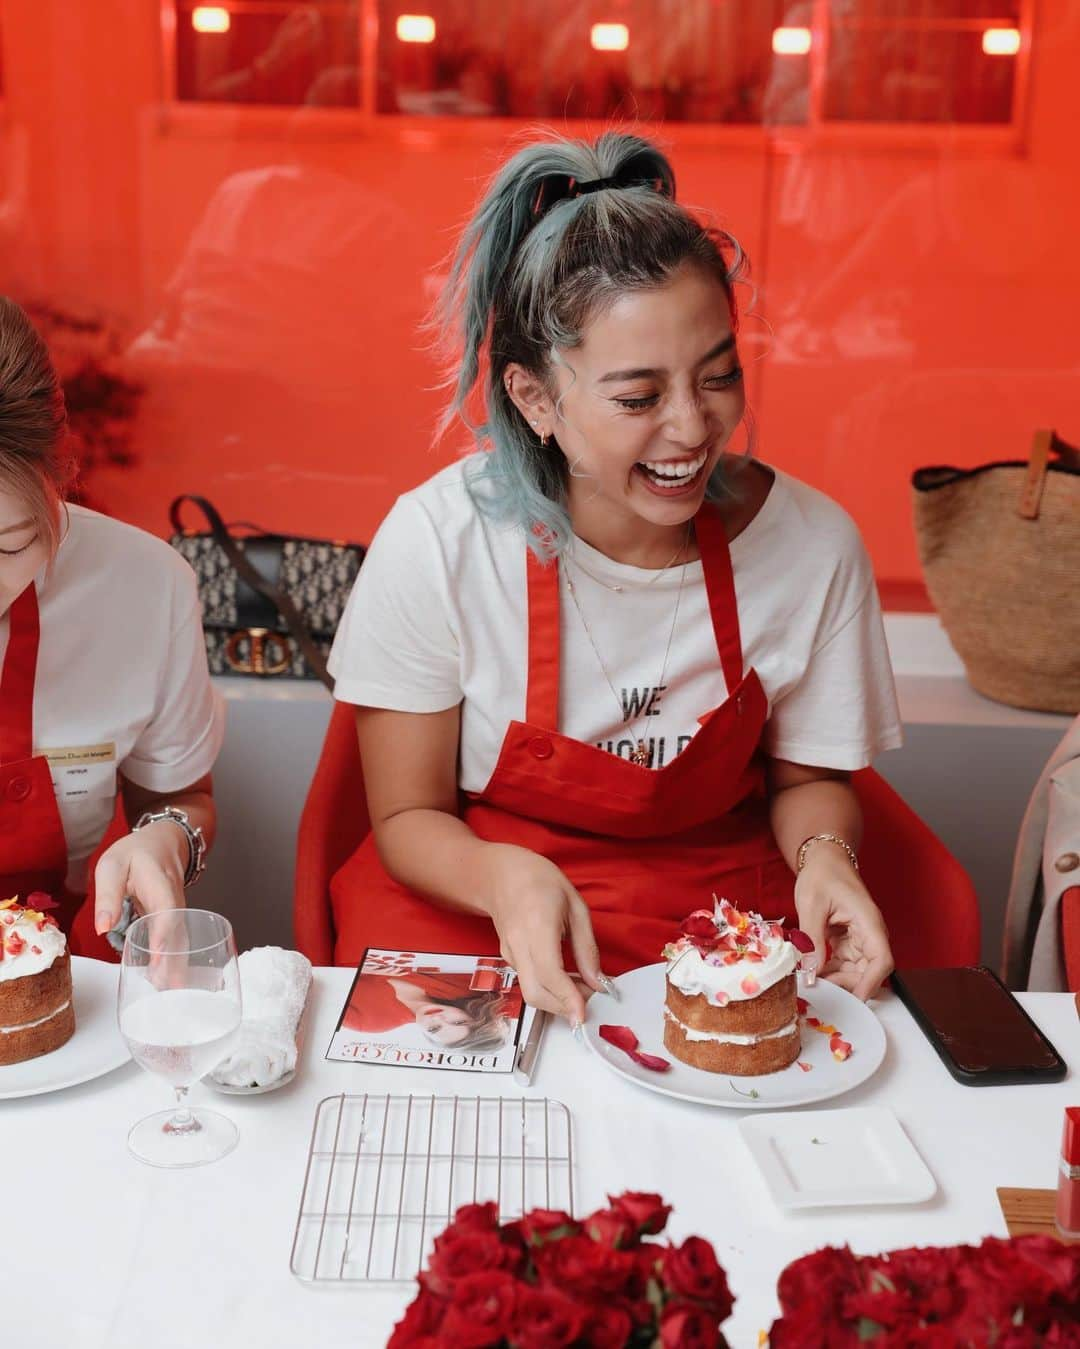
<point>981,1033</point>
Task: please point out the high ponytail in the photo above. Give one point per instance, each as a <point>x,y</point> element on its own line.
<point>565,225</point>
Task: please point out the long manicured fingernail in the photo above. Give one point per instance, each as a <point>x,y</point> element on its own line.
<point>608,985</point>
<point>576,1031</point>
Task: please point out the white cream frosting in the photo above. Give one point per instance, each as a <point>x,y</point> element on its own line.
<point>37,943</point>
<point>692,972</point>
<point>728,1039</point>
<point>29,1025</point>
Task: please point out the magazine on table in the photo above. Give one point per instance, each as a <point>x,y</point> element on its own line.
<point>420,1009</point>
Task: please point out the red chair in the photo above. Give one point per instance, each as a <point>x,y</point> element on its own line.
<point>926,895</point>
<point>1070,936</point>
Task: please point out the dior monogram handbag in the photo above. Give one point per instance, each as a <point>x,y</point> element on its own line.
<point>271,602</point>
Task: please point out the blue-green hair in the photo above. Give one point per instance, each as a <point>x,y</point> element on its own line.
<point>524,283</point>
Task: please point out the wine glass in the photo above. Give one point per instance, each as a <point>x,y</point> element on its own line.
<point>179,1008</point>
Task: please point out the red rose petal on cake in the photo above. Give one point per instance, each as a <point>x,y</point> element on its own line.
<point>813,1021</point>
<point>622,1037</point>
<point>800,940</point>
<point>40,901</point>
<point>802,1005</point>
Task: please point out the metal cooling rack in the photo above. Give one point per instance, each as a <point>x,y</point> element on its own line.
<point>386,1173</point>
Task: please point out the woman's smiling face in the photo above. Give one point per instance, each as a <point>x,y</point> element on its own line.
<point>22,550</point>
<point>648,401</point>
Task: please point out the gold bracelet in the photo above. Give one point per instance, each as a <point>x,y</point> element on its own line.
<point>800,860</point>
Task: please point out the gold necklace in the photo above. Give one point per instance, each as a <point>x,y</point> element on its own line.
<point>640,754</point>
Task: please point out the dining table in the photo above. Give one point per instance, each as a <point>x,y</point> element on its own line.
<point>104,1252</point>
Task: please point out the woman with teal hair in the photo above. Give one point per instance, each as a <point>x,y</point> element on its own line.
<point>606,667</point>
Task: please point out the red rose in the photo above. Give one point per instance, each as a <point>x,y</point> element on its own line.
<point>418,1325</point>
<point>460,1253</point>
<point>701,930</point>
<point>683,1326</point>
<point>544,1224</point>
<point>583,1267</point>
<point>476,1217</point>
<point>545,1319</point>
<point>607,1327</point>
<point>825,1275</point>
<point>610,1228</point>
<point>692,1270</point>
<point>481,1312</point>
<point>646,1213</point>
<point>1064,1334</point>
<point>811,1291</point>
<point>1057,1263</point>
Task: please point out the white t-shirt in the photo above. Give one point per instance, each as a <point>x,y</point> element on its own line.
<point>122,682</point>
<point>438,617</point>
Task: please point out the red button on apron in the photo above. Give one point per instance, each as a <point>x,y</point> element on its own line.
<point>540,747</point>
<point>18,789</point>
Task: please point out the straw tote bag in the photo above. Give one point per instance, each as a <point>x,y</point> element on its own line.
<point>1000,549</point>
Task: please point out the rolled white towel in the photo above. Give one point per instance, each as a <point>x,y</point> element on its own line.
<point>275,984</point>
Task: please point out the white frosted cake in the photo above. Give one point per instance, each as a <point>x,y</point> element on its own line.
<point>731,1002</point>
<point>36,1015</point>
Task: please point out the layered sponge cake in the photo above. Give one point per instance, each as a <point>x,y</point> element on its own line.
<point>731,999</point>
<point>36,1015</point>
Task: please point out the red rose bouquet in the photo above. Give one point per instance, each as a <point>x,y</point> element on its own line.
<point>548,1281</point>
<point>1012,1294</point>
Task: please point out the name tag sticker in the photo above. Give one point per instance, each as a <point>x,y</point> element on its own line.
<point>82,772</point>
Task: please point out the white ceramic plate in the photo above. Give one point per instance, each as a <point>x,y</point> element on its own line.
<point>836,1158</point>
<point>96,1047</point>
<point>641,1007</point>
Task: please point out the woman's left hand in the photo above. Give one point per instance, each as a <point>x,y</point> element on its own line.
<point>148,865</point>
<point>835,907</point>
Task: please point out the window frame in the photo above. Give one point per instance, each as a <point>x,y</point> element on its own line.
<point>202,118</point>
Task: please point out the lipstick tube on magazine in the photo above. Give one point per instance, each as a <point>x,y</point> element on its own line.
<point>490,974</point>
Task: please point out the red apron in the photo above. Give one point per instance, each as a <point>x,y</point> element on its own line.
<point>642,846</point>
<point>33,850</point>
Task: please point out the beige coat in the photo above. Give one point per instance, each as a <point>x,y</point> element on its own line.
<point>1047,864</point>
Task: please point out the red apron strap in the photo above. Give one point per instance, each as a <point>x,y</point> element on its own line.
<point>720,585</point>
<point>542,692</point>
<point>542,688</point>
<point>17,681</point>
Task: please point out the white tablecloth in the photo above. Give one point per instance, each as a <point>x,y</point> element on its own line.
<point>102,1252</point>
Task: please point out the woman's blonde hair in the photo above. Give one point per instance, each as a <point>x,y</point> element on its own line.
<point>34,463</point>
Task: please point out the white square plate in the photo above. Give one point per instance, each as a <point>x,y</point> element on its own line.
<point>823,1158</point>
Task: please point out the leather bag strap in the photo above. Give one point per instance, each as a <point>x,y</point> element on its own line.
<point>1045,444</point>
<point>234,551</point>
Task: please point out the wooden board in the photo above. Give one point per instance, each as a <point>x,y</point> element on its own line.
<point>1030,1211</point>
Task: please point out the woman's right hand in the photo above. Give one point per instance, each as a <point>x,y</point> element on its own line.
<point>534,907</point>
